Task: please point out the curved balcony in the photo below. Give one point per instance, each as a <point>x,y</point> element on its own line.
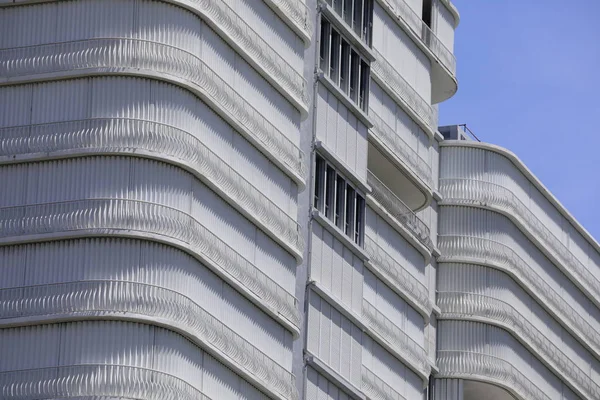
<point>158,141</point>
<point>471,192</point>
<point>487,368</point>
<point>404,94</point>
<point>133,218</point>
<point>443,65</point>
<point>409,287</point>
<point>409,161</point>
<point>74,300</point>
<point>258,52</point>
<point>144,58</point>
<point>497,255</point>
<point>461,305</point>
<point>98,381</point>
<point>410,351</point>
<point>296,12</point>
<point>375,388</point>
<point>400,211</point>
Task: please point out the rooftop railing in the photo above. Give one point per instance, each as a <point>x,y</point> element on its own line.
<point>424,32</point>
<point>139,54</point>
<point>400,148</point>
<point>400,211</point>
<point>114,216</point>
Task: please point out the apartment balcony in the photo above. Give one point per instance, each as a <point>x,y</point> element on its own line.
<point>295,13</point>
<point>487,252</point>
<point>169,63</point>
<point>389,148</point>
<point>375,388</point>
<point>443,63</point>
<point>145,220</point>
<point>414,229</point>
<point>143,302</point>
<point>472,306</point>
<point>404,94</point>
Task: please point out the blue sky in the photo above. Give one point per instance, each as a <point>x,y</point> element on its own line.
<point>528,73</point>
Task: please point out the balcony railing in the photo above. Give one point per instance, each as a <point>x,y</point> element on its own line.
<point>112,54</point>
<point>98,381</point>
<point>423,32</point>
<point>461,304</point>
<point>103,296</point>
<point>376,388</point>
<point>471,191</point>
<point>113,216</point>
<point>296,11</point>
<point>468,248</point>
<point>398,339</point>
<point>403,90</point>
<point>466,364</point>
<point>401,149</point>
<point>402,279</point>
<point>123,134</point>
<point>400,211</point>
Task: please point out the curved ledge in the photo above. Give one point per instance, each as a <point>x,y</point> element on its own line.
<point>409,351</point>
<point>158,141</point>
<point>482,194</point>
<point>296,14</point>
<point>99,381</point>
<point>489,369</point>
<point>404,94</point>
<point>402,155</point>
<point>398,278</point>
<point>473,250</point>
<point>531,177</point>
<point>121,299</point>
<point>247,42</point>
<point>453,10</point>
<point>375,388</point>
<point>471,306</point>
<point>418,231</point>
<point>139,58</point>
<point>443,62</point>
<point>138,219</point>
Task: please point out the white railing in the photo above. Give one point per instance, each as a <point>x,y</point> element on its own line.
<point>403,90</point>
<point>111,216</point>
<point>424,33</point>
<point>398,274</point>
<point>398,339</point>
<point>476,192</point>
<point>401,149</point>
<point>460,305</point>
<point>400,211</point>
<point>113,54</point>
<point>375,388</point>
<point>468,248</point>
<point>468,365</point>
<point>98,381</point>
<point>101,296</point>
<point>125,134</point>
<point>297,11</point>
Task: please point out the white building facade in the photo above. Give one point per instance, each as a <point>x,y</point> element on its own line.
<point>251,199</point>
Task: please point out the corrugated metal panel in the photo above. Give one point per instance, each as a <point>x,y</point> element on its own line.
<point>334,339</point>
<point>406,57</point>
<point>337,268</point>
<point>320,388</point>
<point>395,245</point>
